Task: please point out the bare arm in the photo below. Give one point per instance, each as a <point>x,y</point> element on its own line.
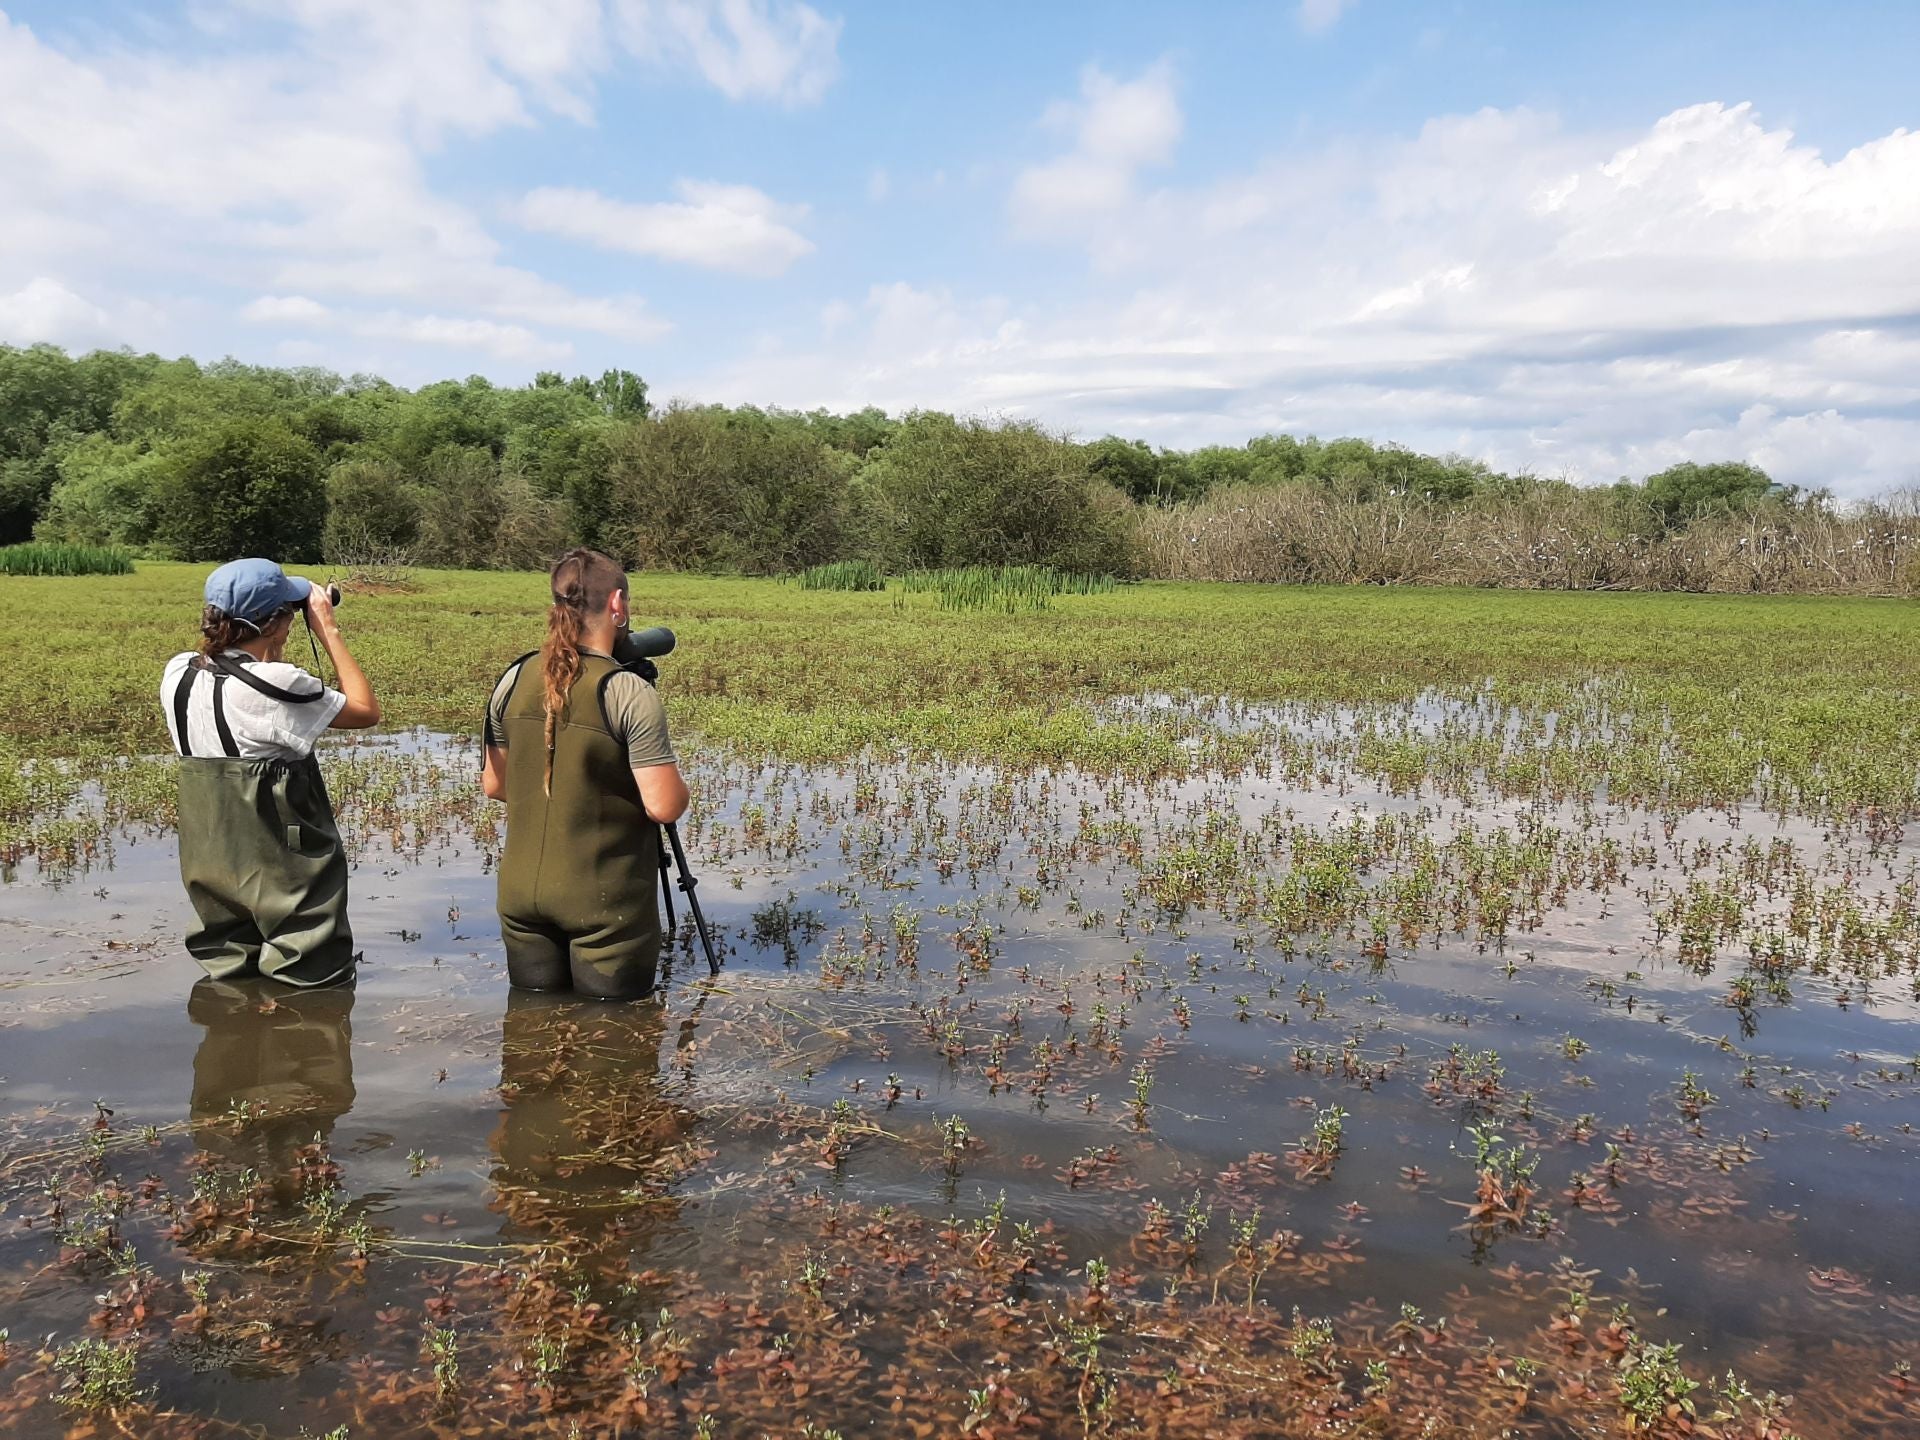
<point>361,709</point>
<point>493,773</point>
<point>662,791</point>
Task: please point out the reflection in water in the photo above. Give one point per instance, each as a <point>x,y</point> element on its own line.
<point>274,1070</point>
<point>589,1139</point>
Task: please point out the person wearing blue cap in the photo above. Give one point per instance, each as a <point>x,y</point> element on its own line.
<point>260,853</point>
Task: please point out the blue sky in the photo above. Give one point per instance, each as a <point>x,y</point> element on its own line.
<point>1581,240</point>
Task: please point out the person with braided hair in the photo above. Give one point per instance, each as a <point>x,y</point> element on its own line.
<point>577,748</point>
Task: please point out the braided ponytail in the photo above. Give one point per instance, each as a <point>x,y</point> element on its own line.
<point>583,582</point>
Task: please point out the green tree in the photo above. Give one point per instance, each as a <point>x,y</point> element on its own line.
<point>964,492</point>
<point>49,402</point>
<point>464,415</point>
<point>623,395</point>
<point>1130,466</point>
<point>1681,492</point>
<point>373,512</point>
<point>706,488</point>
<point>250,486</point>
<point>1191,475</point>
<point>107,493</point>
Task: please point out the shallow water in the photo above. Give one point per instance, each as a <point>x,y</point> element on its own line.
<point>685,1151</point>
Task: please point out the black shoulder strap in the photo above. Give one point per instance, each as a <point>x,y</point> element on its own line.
<point>227,665</point>
<point>181,693</point>
<point>488,734</point>
<point>220,725</point>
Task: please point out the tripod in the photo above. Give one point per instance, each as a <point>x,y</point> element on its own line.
<point>687,882</point>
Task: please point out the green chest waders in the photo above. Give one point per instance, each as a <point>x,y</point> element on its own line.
<point>260,855</point>
<point>578,900</point>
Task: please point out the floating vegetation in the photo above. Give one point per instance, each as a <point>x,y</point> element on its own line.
<point>42,558</point>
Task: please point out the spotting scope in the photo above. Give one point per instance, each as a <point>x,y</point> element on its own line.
<point>645,644</point>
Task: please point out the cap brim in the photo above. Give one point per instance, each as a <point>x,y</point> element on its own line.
<point>297,590</point>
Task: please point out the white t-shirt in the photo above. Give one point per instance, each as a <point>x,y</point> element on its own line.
<point>262,727</point>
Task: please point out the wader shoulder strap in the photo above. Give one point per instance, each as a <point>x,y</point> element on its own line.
<point>489,735</point>
<point>227,665</point>
<point>220,725</point>
<point>181,693</point>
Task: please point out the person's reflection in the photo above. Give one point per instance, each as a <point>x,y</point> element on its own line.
<point>588,1139</point>
<point>273,1071</point>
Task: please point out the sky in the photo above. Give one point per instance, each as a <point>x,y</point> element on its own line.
<point>1576,240</point>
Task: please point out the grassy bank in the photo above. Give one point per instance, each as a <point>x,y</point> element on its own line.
<point>1680,697</point>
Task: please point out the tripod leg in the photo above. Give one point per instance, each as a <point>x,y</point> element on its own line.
<point>687,883</point>
<point>666,891</point>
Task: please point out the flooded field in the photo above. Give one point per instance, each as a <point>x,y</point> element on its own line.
<point>1290,1084</point>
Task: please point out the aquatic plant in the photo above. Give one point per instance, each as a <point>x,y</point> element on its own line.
<point>44,558</point>
<point>842,575</point>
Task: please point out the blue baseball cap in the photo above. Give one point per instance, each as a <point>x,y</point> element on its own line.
<point>251,590</point>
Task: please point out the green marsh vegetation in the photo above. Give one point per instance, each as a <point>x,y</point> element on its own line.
<point>41,558</point>
<point>842,575</point>
<point>1182,1010</point>
<point>1811,705</point>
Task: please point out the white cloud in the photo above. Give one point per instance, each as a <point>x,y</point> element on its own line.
<point>507,342</point>
<point>746,49</point>
<point>1318,16</point>
<point>465,65</point>
<point>291,158</point>
<point>721,227</point>
<point>1593,304</point>
<point>284,310</point>
<point>45,310</point>
<point>1117,128</point>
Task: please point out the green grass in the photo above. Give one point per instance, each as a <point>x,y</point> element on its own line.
<point>1006,588</point>
<point>843,575</point>
<point>1671,699</point>
<point>36,558</point>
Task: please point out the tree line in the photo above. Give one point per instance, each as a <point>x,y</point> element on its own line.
<point>176,459</point>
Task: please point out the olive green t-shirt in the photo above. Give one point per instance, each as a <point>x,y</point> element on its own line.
<point>635,715</point>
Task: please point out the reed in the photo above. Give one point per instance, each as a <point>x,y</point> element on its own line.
<point>42,558</point>
<point>842,575</point>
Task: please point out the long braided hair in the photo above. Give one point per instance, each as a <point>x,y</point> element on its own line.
<point>583,582</point>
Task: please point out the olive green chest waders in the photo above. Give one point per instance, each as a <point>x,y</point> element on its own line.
<point>577,899</point>
<point>260,854</point>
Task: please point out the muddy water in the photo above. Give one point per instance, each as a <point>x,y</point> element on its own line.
<point>938,1003</point>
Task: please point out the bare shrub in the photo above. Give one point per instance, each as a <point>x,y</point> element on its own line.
<point>1541,536</point>
<point>367,565</point>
